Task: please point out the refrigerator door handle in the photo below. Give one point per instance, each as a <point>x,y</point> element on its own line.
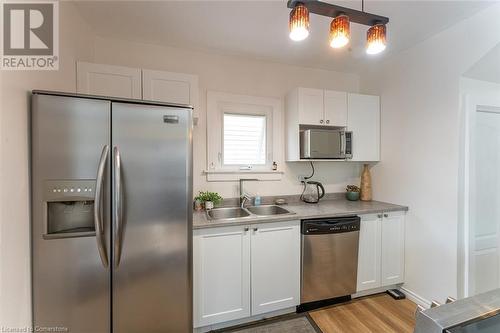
<point>118,206</point>
<point>98,211</point>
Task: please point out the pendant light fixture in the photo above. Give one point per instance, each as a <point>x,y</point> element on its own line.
<point>340,35</point>
<point>299,22</point>
<point>340,31</point>
<point>376,39</point>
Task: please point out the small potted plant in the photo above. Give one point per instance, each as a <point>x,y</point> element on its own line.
<point>209,199</point>
<point>352,192</point>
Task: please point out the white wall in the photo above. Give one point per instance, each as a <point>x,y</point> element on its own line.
<point>75,43</point>
<point>419,91</point>
<point>239,76</point>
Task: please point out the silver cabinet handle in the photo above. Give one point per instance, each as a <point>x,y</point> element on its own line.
<point>246,229</point>
<point>118,206</point>
<point>321,121</point>
<point>328,121</point>
<point>386,215</point>
<point>98,211</point>
<point>255,229</point>
<point>379,216</point>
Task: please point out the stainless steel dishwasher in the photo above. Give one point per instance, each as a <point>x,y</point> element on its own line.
<point>329,258</point>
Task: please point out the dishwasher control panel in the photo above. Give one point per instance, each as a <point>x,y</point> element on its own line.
<point>330,226</point>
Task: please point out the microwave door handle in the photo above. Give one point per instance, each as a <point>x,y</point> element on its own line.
<point>342,143</point>
<point>98,210</point>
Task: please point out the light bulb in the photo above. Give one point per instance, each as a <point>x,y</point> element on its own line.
<point>299,22</point>
<point>376,39</point>
<point>340,31</point>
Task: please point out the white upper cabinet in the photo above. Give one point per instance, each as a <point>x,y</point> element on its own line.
<point>310,106</point>
<point>369,258</point>
<point>335,104</point>
<point>328,108</point>
<point>169,87</point>
<point>363,119</point>
<point>319,107</point>
<point>136,83</point>
<point>108,80</point>
<point>393,245</point>
<point>221,274</point>
<point>275,256</point>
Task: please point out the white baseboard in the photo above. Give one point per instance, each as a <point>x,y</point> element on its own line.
<point>373,291</point>
<point>414,297</point>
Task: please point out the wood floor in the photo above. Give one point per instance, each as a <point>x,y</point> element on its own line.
<point>377,313</point>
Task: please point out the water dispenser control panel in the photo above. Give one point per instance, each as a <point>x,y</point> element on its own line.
<point>69,190</point>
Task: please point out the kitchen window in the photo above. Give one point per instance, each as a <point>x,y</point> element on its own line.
<point>243,134</point>
<point>244,140</point>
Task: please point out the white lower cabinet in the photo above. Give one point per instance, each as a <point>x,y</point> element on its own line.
<point>242,271</point>
<point>275,266</point>
<point>381,250</point>
<point>369,253</point>
<point>393,248</point>
<point>221,274</point>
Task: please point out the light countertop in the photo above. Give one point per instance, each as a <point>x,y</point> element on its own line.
<point>325,208</point>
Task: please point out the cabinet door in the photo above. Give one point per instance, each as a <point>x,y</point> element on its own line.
<point>221,274</point>
<point>369,252</point>
<point>393,245</point>
<point>335,103</point>
<point>311,111</point>
<point>363,119</point>
<point>108,80</point>
<point>275,253</point>
<point>169,87</point>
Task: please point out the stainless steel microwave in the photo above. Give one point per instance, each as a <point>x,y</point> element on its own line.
<point>325,144</point>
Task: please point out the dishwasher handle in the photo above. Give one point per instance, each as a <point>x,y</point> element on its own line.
<point>331,226</point>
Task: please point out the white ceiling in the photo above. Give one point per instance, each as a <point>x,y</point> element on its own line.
<point>488,67</point>
<point>259,29</point>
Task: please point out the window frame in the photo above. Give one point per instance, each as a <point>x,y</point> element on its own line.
<point>218,104</point>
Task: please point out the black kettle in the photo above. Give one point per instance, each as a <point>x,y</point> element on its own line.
<point>313,191</point>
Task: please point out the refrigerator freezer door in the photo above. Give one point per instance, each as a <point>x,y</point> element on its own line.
<point>71,286</point>
<point>152,277</point>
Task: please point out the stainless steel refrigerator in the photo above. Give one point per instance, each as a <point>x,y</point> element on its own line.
<point>111,214</point>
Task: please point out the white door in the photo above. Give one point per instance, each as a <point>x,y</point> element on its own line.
<point>393,248</point>
<point>369,252</point>
<point>311,110</point>
<point>275,266</point>
<point>221,274</point>
<point>108,80</point>
<point>363,119</point>
<point>170,87</point>
<point>335,103</point>
<point>484,200</point>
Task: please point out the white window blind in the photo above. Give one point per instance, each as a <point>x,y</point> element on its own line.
<point>244,140</point>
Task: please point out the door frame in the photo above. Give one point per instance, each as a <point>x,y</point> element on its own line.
<point>475,96</point>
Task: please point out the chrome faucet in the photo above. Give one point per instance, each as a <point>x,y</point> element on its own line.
<point>243,196</point>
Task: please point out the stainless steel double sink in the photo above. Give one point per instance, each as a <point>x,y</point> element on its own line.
<point>232,213</point>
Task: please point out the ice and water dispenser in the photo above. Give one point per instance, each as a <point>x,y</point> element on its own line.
<point>69,208</point>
